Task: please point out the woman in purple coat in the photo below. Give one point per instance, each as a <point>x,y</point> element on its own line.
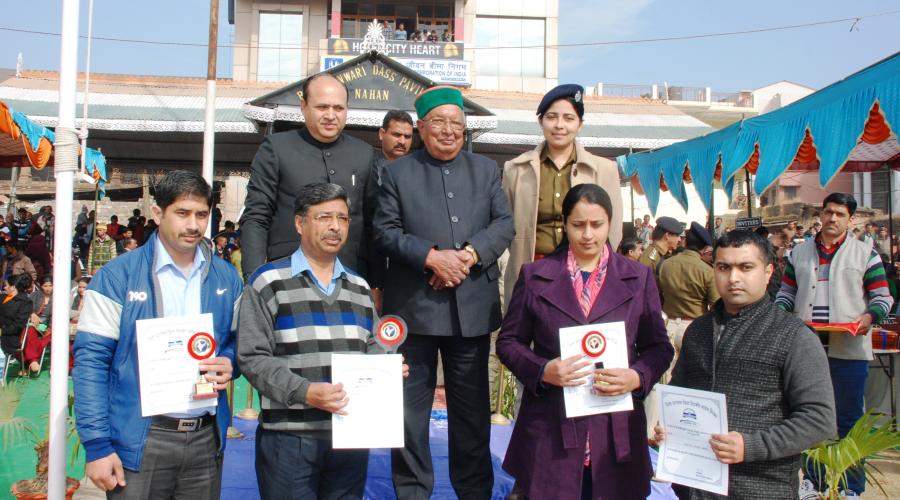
<point>583,282</point>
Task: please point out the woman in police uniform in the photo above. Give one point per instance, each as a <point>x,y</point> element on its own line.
<point>537,181</point>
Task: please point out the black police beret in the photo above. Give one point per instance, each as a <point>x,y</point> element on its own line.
<point>670,225</point>
<point>701,232</point>
<point>567,90</point>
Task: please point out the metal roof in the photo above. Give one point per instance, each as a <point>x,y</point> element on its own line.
<point>174,104</point>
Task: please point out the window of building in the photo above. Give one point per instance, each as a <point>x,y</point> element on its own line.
<point>423,15</point>
<point>509,46</point>
<point>789,193</point>
<point>280,41</point>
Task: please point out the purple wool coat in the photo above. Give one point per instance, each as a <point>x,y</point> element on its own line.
<point>546,451</point>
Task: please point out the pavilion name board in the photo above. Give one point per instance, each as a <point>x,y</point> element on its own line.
<point>374,85</point>
<point>440,71</point>
<point>399,48</point>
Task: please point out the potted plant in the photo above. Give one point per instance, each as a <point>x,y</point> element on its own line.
<point>836,459</point>
<point>13,429</point>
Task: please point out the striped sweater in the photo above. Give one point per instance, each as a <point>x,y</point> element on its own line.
<point>874,282</point>
<point>287,329</point>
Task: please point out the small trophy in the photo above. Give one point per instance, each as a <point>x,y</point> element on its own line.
<point>202,346</point>
<point>391,333</point>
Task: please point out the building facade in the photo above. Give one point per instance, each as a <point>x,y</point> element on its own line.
<point>483,44</point>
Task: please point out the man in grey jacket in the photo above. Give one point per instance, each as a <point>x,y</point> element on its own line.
<point>771,368</point>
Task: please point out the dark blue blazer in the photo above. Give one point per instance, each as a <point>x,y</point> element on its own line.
<point>426,203</point>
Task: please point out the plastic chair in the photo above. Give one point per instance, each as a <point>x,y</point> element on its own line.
<point>18,356</point>
<point>41,358</point>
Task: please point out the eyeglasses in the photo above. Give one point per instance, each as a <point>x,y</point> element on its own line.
<point>326,218</point>
<point>441,123</point>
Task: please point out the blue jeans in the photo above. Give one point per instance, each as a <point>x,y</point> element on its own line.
<point>848,378</point>
<point>289,466</point>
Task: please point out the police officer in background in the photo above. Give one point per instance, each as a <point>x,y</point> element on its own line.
<point>688,286</point>
<point>664,241</point>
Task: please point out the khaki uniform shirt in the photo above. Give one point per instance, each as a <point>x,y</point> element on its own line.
<point>687,285</point>
<point>555,183</point>
<point>653,257</point>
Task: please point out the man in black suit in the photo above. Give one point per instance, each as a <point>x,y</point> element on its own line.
<point>287,161</point>
<point>443,220</point>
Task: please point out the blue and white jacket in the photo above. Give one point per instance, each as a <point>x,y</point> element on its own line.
<point>107,386</point>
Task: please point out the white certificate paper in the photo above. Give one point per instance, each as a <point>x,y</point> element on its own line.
<point>374,386</point>
<point>167,371</point>
<point>580,401</point>
<point>689,417</point>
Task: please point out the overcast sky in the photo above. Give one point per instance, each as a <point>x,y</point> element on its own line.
<point>814,56</point>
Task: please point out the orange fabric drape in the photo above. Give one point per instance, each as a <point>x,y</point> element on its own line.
<point>806,153</point>
<point>686,176</point>
<point>636,185</point>
<point>717,175</point>
<point>40,158</point>
<point>877,130</point>
<point>753,163</point>
<point>7,125</point>
<point>662,184</point>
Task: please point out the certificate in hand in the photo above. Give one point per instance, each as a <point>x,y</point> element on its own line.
<point>689,417</point>
<point>168,372</point>
<point>374,386</point>
<point>598,343</point>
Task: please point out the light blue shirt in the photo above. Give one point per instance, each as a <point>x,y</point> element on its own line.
<point>180,296</point>
<point>299,264</point>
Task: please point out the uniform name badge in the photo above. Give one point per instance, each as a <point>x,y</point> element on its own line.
<point>202,346</point>
<point>390,333</point>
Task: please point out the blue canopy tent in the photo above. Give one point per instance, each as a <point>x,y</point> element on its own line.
<point>850,125</point>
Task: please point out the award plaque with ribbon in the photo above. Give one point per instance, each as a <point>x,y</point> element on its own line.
<point>391,333</point>
<point>202,346</point>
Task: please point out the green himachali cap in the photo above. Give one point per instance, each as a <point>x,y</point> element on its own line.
<point>437,96</point>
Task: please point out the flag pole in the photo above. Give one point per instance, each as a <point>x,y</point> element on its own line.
<point>209,138</point>
<point>65,165</point>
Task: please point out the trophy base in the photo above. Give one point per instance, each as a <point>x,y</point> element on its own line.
<point>248,414</point>
<point>204,391</point>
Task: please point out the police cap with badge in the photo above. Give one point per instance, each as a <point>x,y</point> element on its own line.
<point>571,92</point>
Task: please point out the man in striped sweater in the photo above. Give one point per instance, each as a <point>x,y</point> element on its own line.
<point>834,278</point>
<point>294,313</point>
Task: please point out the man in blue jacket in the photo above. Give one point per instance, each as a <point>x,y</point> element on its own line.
<point>173,274</point>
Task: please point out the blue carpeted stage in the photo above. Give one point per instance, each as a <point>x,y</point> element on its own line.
<point>239,475</point>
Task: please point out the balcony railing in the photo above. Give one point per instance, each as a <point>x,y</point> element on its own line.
<point>624,90</point>
<point>675,93</point>
<point>737,99</point>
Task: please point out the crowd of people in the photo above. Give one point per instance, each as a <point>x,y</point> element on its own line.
<point>26,258</point>
<point>336,234</point>
<point>423,34</point>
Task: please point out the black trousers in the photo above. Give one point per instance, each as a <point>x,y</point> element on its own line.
<point>465,361</point>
